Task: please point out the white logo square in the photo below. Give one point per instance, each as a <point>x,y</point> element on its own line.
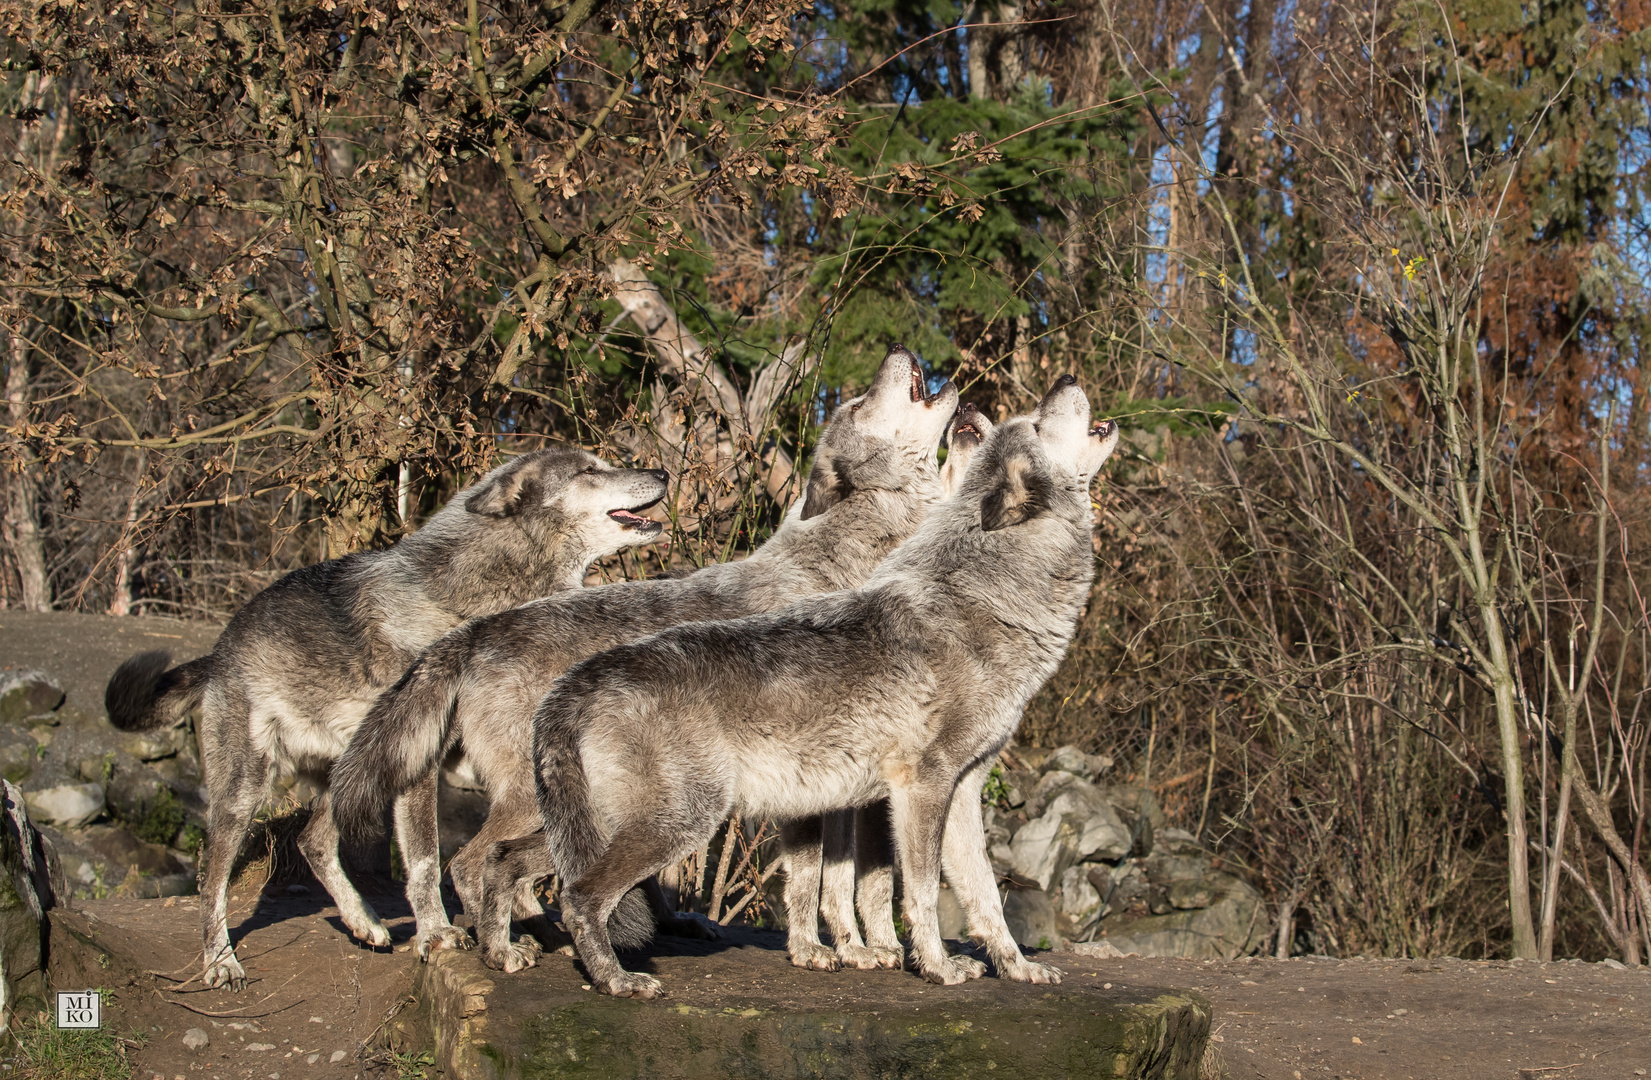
<point>79,1009</point>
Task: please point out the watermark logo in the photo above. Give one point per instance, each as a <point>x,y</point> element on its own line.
<point>79,1009</point>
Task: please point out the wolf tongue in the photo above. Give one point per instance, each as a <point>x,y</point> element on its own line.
<point>626,516</point>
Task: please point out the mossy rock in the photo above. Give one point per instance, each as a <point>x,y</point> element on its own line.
<point>739,1009</point>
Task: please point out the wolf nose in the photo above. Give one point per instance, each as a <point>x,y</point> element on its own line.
<point>1064,381</point>
<point>659,474</point>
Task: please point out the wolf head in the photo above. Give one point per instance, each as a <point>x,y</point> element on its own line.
<point>1042,464</point>
<point>968,430</point>
<point>882,439</point>
<point>531,526</point>
<point>587,497</point>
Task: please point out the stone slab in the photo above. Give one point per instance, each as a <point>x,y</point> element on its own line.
<point>737,1008</point>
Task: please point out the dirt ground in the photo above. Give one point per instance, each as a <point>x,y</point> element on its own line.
<point>317,1001</point>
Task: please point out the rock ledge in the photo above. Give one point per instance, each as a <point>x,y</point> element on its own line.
<point>738,1009</point>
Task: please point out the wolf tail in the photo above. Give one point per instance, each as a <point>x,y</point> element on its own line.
<point>145,693</point>
<point>576,838</point>
<point>403,738</point>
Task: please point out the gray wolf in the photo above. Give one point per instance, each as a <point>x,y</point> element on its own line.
<point>905,689</point>
<point>297,668</point>
<point>849,841</point>
<point>873,481</point>
<point>827,857</point>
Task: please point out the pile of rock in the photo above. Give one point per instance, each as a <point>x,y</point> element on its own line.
<point>124,810</point>
<point>1083,860</point>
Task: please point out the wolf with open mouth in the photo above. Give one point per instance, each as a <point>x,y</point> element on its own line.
<point>296,669</point>
<point>873,481</point>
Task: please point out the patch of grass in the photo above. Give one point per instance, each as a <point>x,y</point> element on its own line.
<point>995,792</point>
<point>45,1053</point>
<point>160,820</point>
<point>412,1065</point>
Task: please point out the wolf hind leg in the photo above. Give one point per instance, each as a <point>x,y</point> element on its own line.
<point>418,832</point>
<point>235,793</point>
<point>509,865</point>
<point>668,920</point>
<point>634,852</point>
<point>514,812</point>
<point>319,843</point>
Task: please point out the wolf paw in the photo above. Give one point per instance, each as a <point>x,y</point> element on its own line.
<point>954,970</point>
<point>513,957</point>
<point>443,937</point>
<point>369,931</point>
<point>690,925</point>
<point>814,957</point>
<point>1030,971</point>
<point>225,972</point>
<point>891,957</point>
<point>634,984</point>
<point>859,957</point>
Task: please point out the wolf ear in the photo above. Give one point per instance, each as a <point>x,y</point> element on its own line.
<point>1022,493</point>
<point>506,493</point>
<point>827,485</point>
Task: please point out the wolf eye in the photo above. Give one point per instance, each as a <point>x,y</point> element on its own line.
<point>855,407</point>
<point>590,469</point>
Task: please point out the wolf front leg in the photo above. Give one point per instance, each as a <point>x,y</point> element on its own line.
<point>919,811</point>
<point>874,882</point>
<point>970,873</point>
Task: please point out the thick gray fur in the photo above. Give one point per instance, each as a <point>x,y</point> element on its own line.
<point>846,859</point>
<point>873,481</point>
<point>905,689</point>
<point>297,668</point>
<point>836,849</point>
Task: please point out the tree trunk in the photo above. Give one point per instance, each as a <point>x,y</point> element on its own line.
<point>686,359</point>
<point>22,523</point>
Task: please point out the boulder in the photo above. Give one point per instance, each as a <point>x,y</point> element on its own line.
<point>954,923</point>
<point>1233,925</point>
<point>67,806</point>
<point>1105,860</point>
<point>1168,869</point>
<point>1190,895</point>
<point>1176,842</point>
<point>1079,902</point>
<point>144,802</point>
<point>29,888</point>
<point>1071,759</point>
<point>1031,918</point>
<point>26,694</point>
<point>1100,832</point>
<point>151,745</point>
<point>18,754</point>
<point>1138,809</point>
<point>120,848</point>
<point>1041,849</point>
<point>1048,786</point>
